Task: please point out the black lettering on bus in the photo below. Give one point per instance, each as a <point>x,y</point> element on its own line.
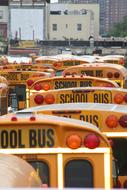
<point>101,98</point>
<point>90,118</point>
<point>99,73</point>
<point>12,139</point>
<point>85,83</point>
<point>41,138</point>
<point>24,76</point>
<point>87,72</point>
<point>50,138</point>
<point>65,84</point>
<point>68,116</point>
<point>32,138</point>
<point>20,145</point>
<point>70,98</point>
<point>4,139</point>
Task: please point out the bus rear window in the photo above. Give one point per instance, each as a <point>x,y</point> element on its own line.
<point>42,170</point>
<point>78,173</point>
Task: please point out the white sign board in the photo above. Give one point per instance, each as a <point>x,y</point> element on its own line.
<point>27,24</point>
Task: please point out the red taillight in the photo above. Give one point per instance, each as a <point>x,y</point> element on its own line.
<point>123,121</point>
<point>125,98</point>
<point>121,61</point>
<point>30,82</point>
<point>111,121</point>
<point>125,184</point>
<point>49,99</point>
<point>13,118</point>
<point>116,75</point>
<point>91,141</point>
<point>37,87</point>
<point>32,118</point>
<point>109,74</point>
<point>57,64</point>
<point>73,141</point>
<point>39,99</point>
<point>118,98</point>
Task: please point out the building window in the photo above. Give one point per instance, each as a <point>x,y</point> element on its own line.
<point>66,25</point>
<point>79,27</point>
<point>54,27</point>
<point>1,14</point>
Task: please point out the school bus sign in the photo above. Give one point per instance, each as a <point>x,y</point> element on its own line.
<point>19,77</point>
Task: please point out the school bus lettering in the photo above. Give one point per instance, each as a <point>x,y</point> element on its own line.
<point>12,139</point>
<point>68,63</point>
<point>101,98</point>
<point>10,76</point>
<point>36,138</point>
<point>87,72</point>
<point>98,73</point>
<point>95,73</point>
<point>65,84</point>
<point>85,83</point>
<point>90,118</point>
<point>67,98</point>
<point>41,138</point>
<point>24,76</point>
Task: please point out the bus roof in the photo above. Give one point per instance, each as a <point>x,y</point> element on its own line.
<point>76,106</point>
<point>48,119</point>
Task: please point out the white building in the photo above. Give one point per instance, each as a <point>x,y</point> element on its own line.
<point>3,21</point>
<point>72,21</point>
<point>27,19</point>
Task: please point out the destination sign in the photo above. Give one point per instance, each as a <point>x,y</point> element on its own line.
<point>27,138</point>
<point>85,96</point>
<point>59,84</point>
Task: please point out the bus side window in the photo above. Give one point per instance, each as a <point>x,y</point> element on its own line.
<point>42,170</point>
<point>78,173</point>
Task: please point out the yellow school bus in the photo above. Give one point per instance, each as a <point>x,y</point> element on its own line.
<point>62,61</point>
<point>3,96</point>
<point>117,73</point>
<point>65,82</point>
<point>75,95</point>
<point>28,67</point>
<point>17,85</point>
<point>115,59</point>
<point>65,152</point>
<point>111,119</point>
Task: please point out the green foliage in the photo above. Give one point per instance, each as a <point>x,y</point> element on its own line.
<point>119,29</point>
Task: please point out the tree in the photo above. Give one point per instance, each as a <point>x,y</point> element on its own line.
<point>119,29</point>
